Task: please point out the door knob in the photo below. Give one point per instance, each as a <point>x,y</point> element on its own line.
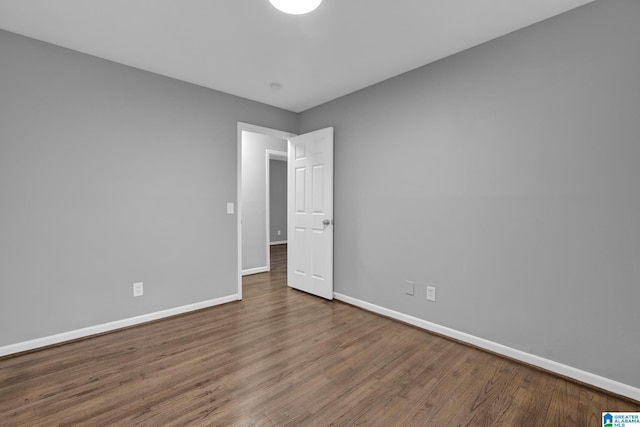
<point>326,222</point>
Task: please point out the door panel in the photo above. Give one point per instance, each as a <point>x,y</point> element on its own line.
<point>299,255</point>
<point>317,179</point>
<point>311,213</point>
<point>318,254</point>
<point>300,190</point>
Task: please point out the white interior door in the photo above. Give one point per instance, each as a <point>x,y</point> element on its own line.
<point>310,204</point>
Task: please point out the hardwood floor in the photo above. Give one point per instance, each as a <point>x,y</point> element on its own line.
<point>282,357</point>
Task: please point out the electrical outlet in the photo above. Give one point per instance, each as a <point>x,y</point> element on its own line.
<point>138,289</point>
<point>230,208</point>
<point>431,293</point>
<point>409,287</point>
<point>279,232</point>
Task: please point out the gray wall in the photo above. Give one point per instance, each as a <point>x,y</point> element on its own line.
<point>254,196</point>
<point>109,176</point>
<point>508,177</point>
<point>278,200</point>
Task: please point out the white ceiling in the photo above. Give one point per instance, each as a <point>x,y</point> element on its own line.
<point>242,46</point>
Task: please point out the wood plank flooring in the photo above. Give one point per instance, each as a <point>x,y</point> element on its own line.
<point>285,358</point>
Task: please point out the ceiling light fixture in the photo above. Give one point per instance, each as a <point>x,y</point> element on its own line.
<point>295,7</point>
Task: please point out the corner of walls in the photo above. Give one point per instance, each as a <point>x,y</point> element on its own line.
<point>503,176</point>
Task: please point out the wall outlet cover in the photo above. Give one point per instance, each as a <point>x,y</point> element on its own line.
<point>409,287</point>
<point>138,289</point>
<point>431,293</point>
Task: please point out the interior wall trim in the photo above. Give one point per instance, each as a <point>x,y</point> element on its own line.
<point>512,353</point>
<point>255,270</point>
<point>110,326</point>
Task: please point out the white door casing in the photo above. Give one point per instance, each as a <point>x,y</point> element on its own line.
<point>310,206</point>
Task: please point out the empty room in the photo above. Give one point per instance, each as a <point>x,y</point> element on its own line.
<point>324,212</point>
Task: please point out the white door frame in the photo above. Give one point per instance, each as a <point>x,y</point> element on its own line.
<point>272,155</point>
<point>265,131</point>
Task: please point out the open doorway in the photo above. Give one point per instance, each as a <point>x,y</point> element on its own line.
<point>276,206</point>
<point>256,147</point>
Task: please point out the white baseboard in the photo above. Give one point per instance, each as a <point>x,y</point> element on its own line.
<point>549,365</point>
<point>111,326</point>
<point>255,270</point>
<point>281,242</point>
